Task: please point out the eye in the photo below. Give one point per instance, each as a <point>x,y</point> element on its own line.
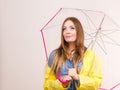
<point>64,28</point>
<point>72,27</point>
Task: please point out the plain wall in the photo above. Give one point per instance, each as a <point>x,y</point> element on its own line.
<point>22,56</point>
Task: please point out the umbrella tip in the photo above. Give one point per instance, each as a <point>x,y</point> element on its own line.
<point>99,28</point>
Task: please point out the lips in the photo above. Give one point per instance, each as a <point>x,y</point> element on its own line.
<point>68,36</point>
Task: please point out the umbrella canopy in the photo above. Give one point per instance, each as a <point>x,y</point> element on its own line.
<point>101,34</point>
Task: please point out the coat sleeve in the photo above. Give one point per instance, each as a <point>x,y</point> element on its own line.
<point>91,75</point>
<point>50,80</point>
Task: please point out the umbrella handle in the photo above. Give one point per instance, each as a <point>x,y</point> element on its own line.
<point>62,81</point>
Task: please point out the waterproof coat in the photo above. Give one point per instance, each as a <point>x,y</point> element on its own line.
<point>90,74</point>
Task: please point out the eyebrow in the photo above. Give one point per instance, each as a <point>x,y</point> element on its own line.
<point>70,26</point>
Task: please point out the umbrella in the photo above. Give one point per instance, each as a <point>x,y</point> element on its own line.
<point>101,34</point>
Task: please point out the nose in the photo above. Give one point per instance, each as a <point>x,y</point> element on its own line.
<point>67,31</point>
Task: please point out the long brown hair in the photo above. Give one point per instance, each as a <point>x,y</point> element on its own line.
<point>61,52</point>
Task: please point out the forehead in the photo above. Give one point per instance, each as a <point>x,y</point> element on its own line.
<point>68,22</point>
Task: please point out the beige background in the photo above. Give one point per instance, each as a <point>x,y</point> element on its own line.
<point>22,56</point>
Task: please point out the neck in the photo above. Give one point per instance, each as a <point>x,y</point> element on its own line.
<point>71,47</point>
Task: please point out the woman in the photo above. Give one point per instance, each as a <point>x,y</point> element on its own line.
<point>72,66</point>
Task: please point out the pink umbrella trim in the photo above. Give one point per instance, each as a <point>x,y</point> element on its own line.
<point>43,35</point>
<point>110,88</point>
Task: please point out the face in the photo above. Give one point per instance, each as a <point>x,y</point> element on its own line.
<point>69,31</point>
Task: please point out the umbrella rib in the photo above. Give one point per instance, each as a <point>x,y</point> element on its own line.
<point>113,21</point>
<point>84,10</point>
<point>104,30</point>
<point>112,43</point>
<point>111,39</point>
<point>90,44</point>
<point>93,40</point>
<point>106,33</point>
<point>110,31</point>
<point>89,19</point>
<point>88,34</point>
<point>52,26</point>
<point>101,22</point>
<point>101,47</point>
<point>91,33</point>
<point>103,42</point>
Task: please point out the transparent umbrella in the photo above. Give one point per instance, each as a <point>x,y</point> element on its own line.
<point>101,34</point>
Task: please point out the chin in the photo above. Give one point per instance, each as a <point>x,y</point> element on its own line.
<point>69,41</point>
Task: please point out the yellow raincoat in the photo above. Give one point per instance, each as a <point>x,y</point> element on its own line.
<point>90,74</point>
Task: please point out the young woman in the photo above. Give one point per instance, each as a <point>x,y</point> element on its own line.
<point>72,66</point>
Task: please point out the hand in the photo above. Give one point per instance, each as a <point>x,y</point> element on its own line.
<point>67,77</point>
<point>65,80</point>
<point>72,72</point>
